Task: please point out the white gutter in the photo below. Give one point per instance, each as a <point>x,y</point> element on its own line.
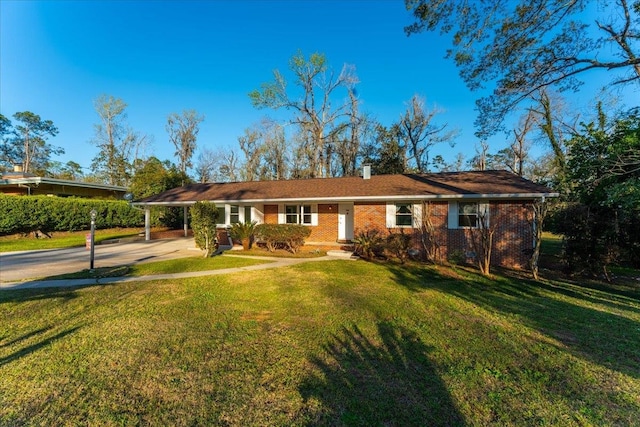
<point>55,181</point>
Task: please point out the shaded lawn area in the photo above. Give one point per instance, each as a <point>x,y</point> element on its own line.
<point>177,265</point>
<point>58,240</point>
<point>329,343</point>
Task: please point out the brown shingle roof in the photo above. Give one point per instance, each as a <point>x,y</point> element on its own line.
<point>486,184</point>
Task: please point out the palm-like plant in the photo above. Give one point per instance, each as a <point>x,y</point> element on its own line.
<point>243,231</point>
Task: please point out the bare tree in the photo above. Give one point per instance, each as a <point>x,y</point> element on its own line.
<point>208,165</point>
<point>183,132</point>
<point>275,149</point>
<point>251,147</point>
<point>520,146</point>
<point>229,166</point>
<point>538,211</point>
<point>347,143</point>
<point>419,132</point>
<point>481,239</point>
<point>117,143</point>
<point>480,160</point>
<point>428,234</point>
<point>317,120</point>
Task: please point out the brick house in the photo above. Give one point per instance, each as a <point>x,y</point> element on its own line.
<point>337,209</point>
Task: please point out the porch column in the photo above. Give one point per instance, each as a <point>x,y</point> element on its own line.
<point>147,224</point>
<point>186,221</point>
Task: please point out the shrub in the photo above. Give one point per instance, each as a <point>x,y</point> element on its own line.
<point>398,244</point>
<point>243,231</point>
<point>204,217</point>
<point>288,236</point>
<point>368,243</point>
<point>26,214</point>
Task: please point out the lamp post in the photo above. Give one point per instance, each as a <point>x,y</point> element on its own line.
<point>93,233</point>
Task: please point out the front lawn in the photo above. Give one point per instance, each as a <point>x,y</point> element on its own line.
<point>59,240</point>
<point>322,343</point>
<point>170,266</point>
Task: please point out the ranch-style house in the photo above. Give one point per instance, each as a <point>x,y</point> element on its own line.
<point>337,209</point>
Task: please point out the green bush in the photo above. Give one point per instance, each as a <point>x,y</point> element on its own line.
<point>26,214</point>
<point>204,217</point>
<point>243,232</point>
<point>399,244</point>
<point>288,236</point>
<point>368,243</point>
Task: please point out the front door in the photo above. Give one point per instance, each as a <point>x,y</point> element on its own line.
<point>345,221</point>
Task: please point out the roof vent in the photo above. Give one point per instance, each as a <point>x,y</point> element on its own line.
<point>366,172</point>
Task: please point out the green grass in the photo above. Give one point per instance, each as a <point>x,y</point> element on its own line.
<point>323,343</point>
<point>178,265</point>
<point>60,240</point>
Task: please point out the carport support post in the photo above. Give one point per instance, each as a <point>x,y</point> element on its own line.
<point>147,224</point>
<point>185,211</point>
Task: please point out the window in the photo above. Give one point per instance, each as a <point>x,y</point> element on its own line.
<point>404,215</point>
<point>221,215</point>
<point>297,214</point>
<point>234,216</point>
<point>468,214</point>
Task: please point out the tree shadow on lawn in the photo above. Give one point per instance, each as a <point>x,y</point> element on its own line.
<point>35,294</point>
<point>390,382</point>
<point>604,333</point>
<point>33,347</point>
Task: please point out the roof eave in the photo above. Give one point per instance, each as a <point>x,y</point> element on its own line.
<point>55,181</point>
<point>444,197</point>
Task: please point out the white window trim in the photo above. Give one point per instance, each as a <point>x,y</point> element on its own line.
<point>483,208</point>
<point>416,214</point>
<point>241,215</point>
<point>282,216</point>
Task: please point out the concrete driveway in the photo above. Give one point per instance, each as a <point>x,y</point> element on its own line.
<point>18,266</point>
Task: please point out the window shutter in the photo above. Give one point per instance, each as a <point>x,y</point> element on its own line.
<point>281,217</point>
<point>314,214</point>
<point>483,209</point>
<point>453,215</point>
<point>417,215</point>
<point>391,215</point>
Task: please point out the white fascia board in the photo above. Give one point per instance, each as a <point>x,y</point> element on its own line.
<point>526,196</point>
<point>54,181</point>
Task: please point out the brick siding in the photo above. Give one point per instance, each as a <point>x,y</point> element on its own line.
<point>327,228</point>
<point>512,240</point>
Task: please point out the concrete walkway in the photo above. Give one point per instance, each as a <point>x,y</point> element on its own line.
<point>276,263</point>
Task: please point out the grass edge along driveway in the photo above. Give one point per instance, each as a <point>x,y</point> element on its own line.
<point>333,342</point>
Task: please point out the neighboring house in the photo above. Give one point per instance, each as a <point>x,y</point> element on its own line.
<point>337,209</point>
<point>25,184</point>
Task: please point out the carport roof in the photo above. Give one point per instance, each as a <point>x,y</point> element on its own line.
<point>450,185</point>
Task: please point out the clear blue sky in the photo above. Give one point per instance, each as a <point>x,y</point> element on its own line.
<point>56,57</point>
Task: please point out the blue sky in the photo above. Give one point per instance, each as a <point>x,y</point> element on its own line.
<point>56,57</point>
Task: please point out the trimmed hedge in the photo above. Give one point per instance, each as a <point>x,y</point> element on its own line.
<point>288,236</point>
<point>25,214</point>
